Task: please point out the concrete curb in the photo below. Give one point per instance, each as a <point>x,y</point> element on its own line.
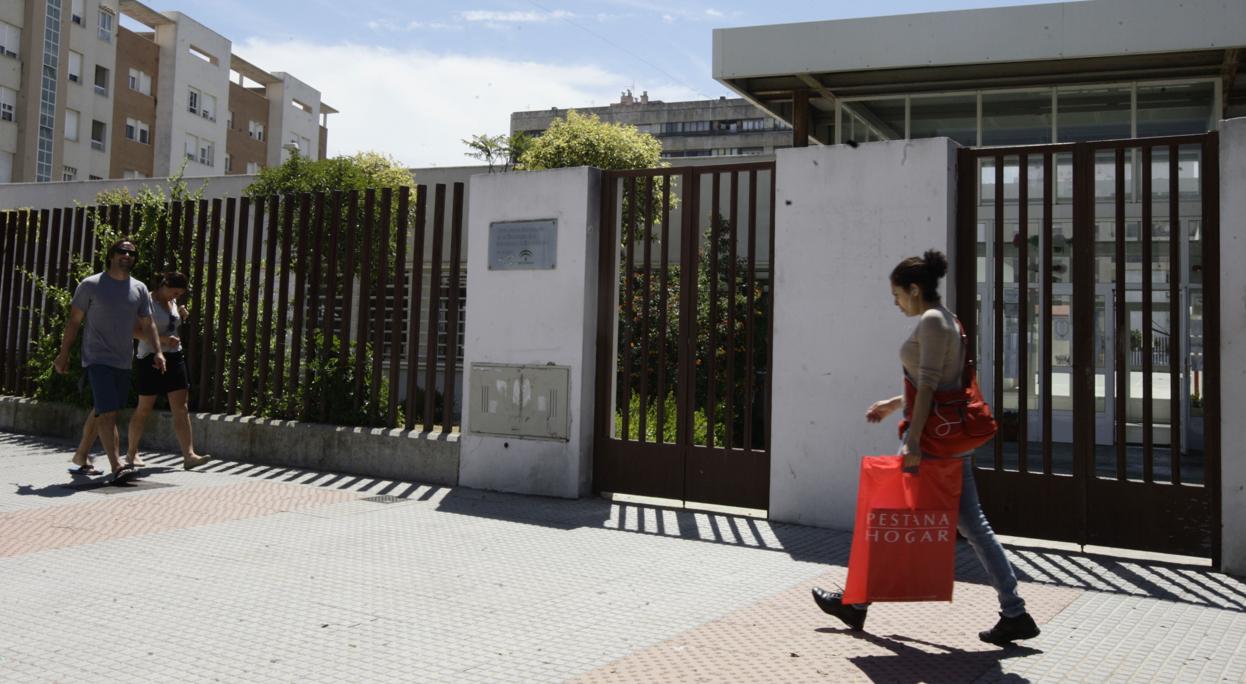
<point>396,454</point>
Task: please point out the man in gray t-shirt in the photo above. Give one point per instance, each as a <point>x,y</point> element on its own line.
<point>110,302</point>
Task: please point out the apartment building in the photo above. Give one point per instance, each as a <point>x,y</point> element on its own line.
<point>83,97</point>
<point>698,128</point>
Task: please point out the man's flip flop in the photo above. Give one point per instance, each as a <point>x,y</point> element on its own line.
<point>122,475</point>
<point>86,470</point>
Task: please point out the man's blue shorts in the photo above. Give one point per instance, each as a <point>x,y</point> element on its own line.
<point>110,387</point>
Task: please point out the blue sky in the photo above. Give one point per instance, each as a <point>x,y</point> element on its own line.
<point>413,78</point>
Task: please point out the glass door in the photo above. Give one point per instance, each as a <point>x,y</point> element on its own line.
<point>1061,350</point>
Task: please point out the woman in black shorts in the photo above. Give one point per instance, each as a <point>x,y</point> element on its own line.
<point>174,382</point>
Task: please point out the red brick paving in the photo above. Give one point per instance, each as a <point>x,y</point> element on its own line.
<point>785,638</point>
<point>128,515</point>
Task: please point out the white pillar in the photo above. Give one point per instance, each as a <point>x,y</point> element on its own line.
<point>533,318</point>
<point>845,216</point>
<point>1232,345</point>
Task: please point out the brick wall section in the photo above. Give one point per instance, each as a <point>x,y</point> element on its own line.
<point>246,105</point>
<point>134,51</point>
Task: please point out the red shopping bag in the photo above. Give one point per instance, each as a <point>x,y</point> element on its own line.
<point>904,540</point>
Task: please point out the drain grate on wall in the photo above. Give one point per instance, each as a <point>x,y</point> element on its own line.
<point>385,499</point>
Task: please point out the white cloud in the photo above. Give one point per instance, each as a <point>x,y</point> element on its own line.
<point>414,25</point>
<point>417,106</point>
<point>528,17</point>
<point>669,13</point>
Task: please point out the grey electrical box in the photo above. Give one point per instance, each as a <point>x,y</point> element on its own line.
<point>520,401</point>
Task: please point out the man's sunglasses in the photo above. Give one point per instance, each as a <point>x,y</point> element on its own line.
<point>130,252</point>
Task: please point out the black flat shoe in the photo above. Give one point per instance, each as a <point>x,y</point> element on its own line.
<point>832,603</point>
<point>1010,629</point>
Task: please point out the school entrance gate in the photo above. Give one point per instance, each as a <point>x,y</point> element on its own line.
<point>1087,274</point>
<point>683,334</point>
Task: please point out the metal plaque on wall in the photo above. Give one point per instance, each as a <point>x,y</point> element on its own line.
<point>518,245</point>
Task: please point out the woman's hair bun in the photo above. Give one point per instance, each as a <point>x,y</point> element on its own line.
<point>936,263</point>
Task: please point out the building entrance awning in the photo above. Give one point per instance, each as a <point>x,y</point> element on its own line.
<point>782,67</point>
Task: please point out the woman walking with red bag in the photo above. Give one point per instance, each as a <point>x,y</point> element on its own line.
<point>944,417</point>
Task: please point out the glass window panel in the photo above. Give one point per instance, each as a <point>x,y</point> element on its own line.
<point>1093,114</point>
<point>1012,182</point>
<point>986,186</point>
<point>1175,109</point>
<point>1016,118</point>
<point>1061,352</point>
<point>1189,172</point>
<point>1035,187</point>
<point>1193,421</point>
<point>953,116</point>
<point>1160,178</point>
<point>886,117</point>
<point>1063,163</point>
<point>1105,175</point>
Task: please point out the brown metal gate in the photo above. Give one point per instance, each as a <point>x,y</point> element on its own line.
<point>683,337</point>
<point>1097,329</point>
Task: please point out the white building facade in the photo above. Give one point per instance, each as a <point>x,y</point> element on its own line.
<point>82,97</point>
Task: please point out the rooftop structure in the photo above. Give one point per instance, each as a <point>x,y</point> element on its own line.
<point>699,128</point>
<point>1030,74</point>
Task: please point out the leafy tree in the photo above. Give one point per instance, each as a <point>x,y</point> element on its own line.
<point>355,172</point>
<point>490,149</point>
<point>495,150</point>
<point>516,145</point>
<point>642,353</point>
<point>360,172</point>
<point>587,141</point>
<point>581,140</point>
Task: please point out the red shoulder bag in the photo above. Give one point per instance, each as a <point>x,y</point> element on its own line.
<point>960,420</point>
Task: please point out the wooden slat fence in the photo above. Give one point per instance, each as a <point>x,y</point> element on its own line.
<point>312,306</point>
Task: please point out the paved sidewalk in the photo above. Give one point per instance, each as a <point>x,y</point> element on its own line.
<point>253,573</point>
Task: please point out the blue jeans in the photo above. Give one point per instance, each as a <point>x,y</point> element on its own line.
<point>973,526</point>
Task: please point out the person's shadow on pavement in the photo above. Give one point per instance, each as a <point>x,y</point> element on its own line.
<point>53,491</point>
<point>83,483</point>
<point>910,665</point>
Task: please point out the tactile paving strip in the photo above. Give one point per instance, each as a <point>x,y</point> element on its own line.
<point>116,517</point>
<point>785,638</point>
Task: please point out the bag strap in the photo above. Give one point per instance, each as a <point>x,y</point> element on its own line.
<point>969,366</point>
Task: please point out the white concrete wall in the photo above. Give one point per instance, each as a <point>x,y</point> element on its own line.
<point>1232,345</point>
<point>58,194</point>
<point>845,217</point>
<point>82,97</point>
<point>14,14</point>
<point>392,454</point>
<point>534,317</point>
<point>179,71</point>
<point>288,123</point>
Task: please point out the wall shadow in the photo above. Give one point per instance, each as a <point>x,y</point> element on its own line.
<point>1165,580</point>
